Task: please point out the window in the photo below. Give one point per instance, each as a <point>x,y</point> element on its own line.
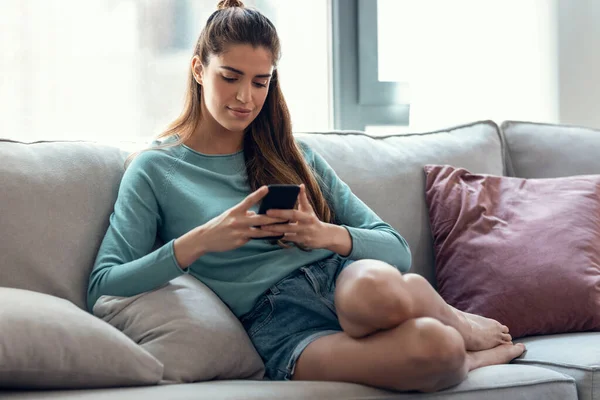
<point>466,60</point>
<point>116,69</point>
<point>361,98</point>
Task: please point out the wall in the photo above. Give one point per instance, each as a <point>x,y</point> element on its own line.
<point>579,62</point>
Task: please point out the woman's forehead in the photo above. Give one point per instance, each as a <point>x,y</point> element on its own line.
<point>245,58</point>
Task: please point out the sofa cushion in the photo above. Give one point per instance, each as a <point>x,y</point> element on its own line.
<point>525,252</point>
<point>547,151</point>
<point>387,173</point>
<point>574,354</point>
<point>489,383</point>
<point>56,200</point>
<point>188,328</point>
<point>47,343</point>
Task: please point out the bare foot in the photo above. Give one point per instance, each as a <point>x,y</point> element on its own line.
<point>498,355</point>
<point>481,333</point>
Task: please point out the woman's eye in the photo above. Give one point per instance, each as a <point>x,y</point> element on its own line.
<point>226,79</point>
<point>258,84</point>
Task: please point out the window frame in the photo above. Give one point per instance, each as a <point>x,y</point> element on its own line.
<point>359,98</point>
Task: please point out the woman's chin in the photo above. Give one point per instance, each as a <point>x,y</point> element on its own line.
<point>235,127</point>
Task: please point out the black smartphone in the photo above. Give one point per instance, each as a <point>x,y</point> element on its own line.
<point>280,197</point>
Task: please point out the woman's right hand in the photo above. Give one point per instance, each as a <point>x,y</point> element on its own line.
<point>232,229</point>
<point>236,226</point>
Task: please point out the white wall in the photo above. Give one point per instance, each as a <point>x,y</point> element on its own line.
<point>579,62</point>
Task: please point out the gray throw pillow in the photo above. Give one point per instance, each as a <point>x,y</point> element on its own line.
<point>188,328</point>
<point>49,343</point>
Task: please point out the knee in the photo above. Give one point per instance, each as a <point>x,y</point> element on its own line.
<point>371,285</point>
<point>416,281</point>
<point>440,349</point>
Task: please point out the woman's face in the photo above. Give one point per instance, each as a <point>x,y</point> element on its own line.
<point>235,85</point>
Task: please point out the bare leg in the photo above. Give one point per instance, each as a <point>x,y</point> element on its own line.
<point>420,354</point>
<point>372,296</point>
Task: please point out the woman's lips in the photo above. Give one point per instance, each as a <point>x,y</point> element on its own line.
<point>240,112</point>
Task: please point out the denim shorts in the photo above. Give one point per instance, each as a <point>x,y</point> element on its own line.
<point>293,313</point>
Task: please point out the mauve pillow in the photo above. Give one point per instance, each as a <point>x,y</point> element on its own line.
<point>525,252</point>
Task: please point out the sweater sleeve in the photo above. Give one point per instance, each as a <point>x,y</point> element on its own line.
<point>371,237</point>
<point>125,264</point>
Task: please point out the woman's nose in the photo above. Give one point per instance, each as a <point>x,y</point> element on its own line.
<point>244,93</point>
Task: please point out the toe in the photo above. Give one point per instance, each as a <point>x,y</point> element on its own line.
<point>504,329</point>
<point>506,337</point>
<point>521,347</point>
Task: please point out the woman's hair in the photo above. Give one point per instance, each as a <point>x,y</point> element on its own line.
<point>270,151</point>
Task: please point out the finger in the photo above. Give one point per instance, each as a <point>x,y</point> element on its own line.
<point>250,213</point>
<point>260,233</point>
<point>293,238</point>
<point>261,219</point>
<point>282,228</point>
<point>289,215</point>
<point>252,199</point>
<point>304,203</point>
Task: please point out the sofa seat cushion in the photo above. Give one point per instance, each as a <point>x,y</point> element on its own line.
<point>538,150</point>
<point>515,382</point>
<point>574,354</point>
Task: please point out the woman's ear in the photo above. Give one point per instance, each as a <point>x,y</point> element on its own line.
<point>197,69</point>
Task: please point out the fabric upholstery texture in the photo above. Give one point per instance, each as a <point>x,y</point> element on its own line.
<point>573,354</point>
<point>501,382</point>
<point>387,173</point>
<point>536,150</point>
<point>49,343</point>
<point>56,198</point>
<point>523,252</point>
<point>188,328</point>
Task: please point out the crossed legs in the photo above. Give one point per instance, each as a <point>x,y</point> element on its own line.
<point>399,334</point>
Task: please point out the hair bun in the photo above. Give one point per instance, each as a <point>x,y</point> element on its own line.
<point>223,4</point>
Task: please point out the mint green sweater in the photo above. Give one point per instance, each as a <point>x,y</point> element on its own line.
<point>170,192</point>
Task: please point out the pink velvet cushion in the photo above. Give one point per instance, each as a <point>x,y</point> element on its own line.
<point>525,252</point>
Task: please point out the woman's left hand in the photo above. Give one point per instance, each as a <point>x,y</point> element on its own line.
<point>304,227</point>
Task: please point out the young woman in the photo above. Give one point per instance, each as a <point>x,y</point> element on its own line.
<point>311,312</point>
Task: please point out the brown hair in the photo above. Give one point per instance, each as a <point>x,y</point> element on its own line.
<point>270,151</point>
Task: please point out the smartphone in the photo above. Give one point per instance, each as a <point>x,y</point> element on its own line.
<point>280,197</point>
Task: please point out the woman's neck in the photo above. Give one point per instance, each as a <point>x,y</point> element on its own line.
<point>209,139</point>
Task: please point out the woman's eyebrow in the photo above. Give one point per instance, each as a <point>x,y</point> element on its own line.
<point>237,71</point>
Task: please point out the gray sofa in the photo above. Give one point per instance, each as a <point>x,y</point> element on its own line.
<point>56,198</point>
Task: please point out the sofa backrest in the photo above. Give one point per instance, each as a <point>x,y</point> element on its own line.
<point>57,197</point>
<point>537,150</point>
<point>387,173</point>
